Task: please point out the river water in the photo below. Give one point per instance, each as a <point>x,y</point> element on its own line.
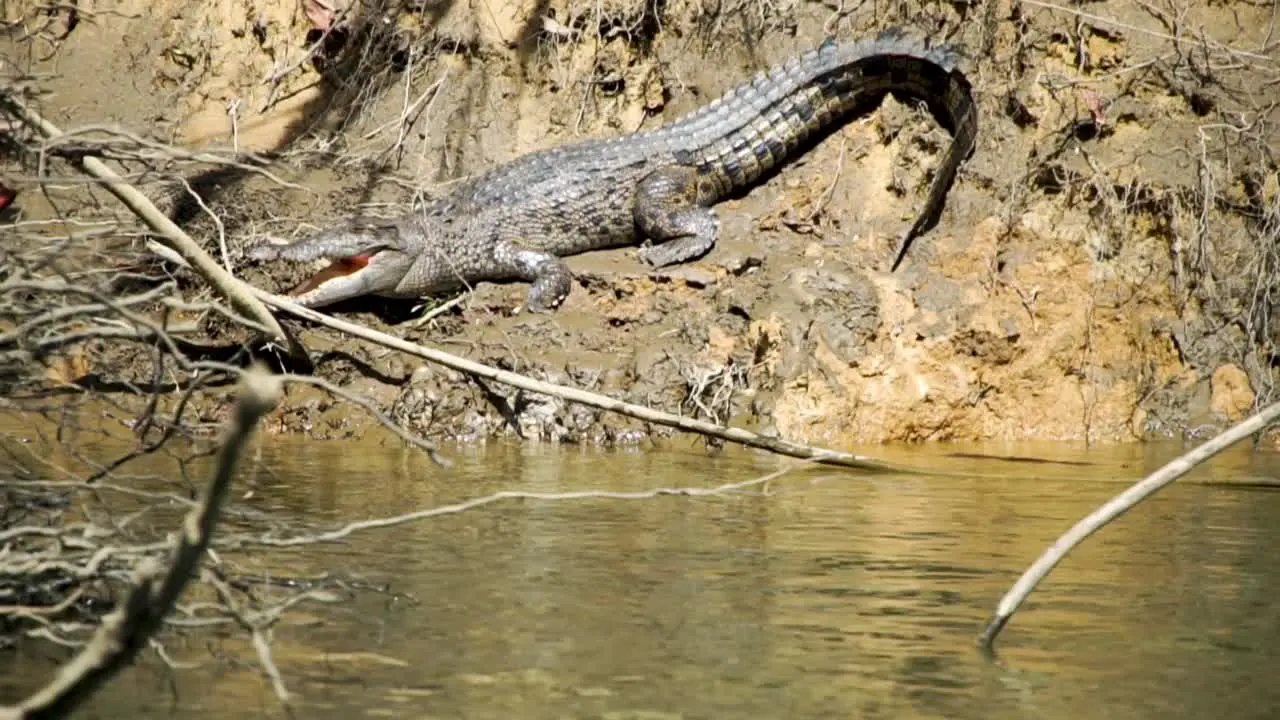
<point>826,593</point>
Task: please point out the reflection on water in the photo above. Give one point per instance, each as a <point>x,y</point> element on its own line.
<point>833,595</point>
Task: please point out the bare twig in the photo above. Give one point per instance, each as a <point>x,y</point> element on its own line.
<point>257,630</point>
<point>178,241</point>
<point>439,310</point>
<point>373,410</point>
<point>455,508</point>
<point>73,142</point>
<point>217,222</point>
<point>1113,509</point>
<point>127,630</point>
<point>1134,28</point>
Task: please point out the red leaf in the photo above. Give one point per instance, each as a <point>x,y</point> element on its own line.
<point>7,195</point>
<point>1094,102</point>
<point>319,12</point>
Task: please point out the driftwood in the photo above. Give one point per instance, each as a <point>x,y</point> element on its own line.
<point>156,589</point>
<point>1113,509</point>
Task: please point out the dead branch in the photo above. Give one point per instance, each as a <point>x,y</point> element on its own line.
<point>454,508</point>
<point>233,289</point>
<point>127,630</point>
<point>1113,509</point>
<point>256,629</point>
<point>1113,22</point>
<point>590,399</point>
<point>122,144</point>
<point>373,410</point>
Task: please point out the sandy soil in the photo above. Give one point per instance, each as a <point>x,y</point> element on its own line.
<point>1102,272</point>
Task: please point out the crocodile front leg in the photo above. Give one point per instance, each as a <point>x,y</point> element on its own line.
<point>550,277</point>
<point>669,210</point>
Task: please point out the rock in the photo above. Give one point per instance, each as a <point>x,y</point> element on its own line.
<point>692,276</point>
<point>1230,394</point>
<point>740,263</point>
<point>840,304</point>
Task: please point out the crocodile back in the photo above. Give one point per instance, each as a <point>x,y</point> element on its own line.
<point>757,125</point>
<point>584,190</point>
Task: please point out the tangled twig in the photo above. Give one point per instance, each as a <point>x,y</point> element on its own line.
<point>156,589</point>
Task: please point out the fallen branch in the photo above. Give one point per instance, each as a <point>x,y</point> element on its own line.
<point>128,629</point>
<point>1113,509</point>
<point>352,528</point>
<point>219,278</point>
<point>584,397</point>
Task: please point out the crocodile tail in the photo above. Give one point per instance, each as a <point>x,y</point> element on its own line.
<point>950,99</point>
<point>756,127</point>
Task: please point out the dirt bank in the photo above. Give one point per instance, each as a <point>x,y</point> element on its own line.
<point>1104,269</point>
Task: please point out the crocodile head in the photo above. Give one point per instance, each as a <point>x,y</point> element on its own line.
<point>362,261</point>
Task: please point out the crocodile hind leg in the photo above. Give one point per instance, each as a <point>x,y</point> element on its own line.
<point>669,210</point>
<point>550,277</point>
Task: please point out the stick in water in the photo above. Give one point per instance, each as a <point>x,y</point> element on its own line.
<point>1113,509</point>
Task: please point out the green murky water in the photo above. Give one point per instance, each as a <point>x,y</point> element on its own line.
<point>831,595</point>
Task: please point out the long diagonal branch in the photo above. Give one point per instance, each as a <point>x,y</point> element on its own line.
<point>590,399</point>
<point>1114,508</point>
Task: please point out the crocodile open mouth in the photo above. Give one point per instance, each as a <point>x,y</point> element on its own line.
<point>340,267</point>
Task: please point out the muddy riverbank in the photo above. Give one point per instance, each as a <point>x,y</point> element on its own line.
<point>1103,270</point>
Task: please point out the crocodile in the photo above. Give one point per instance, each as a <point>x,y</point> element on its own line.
<point>655,188</point>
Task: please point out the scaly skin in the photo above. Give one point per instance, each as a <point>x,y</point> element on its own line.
<point>517,220</point>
